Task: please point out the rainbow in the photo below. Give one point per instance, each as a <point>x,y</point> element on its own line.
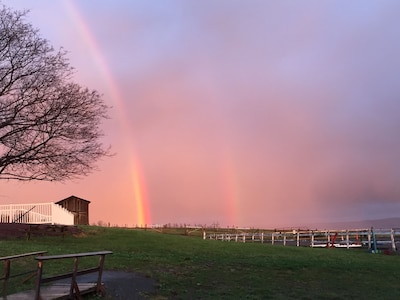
<point>139,187</point>
<point>230,188</point>
<point>142,207</point>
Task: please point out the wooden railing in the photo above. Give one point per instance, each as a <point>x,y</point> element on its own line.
<point>7,268</point>
<point>74,290</point>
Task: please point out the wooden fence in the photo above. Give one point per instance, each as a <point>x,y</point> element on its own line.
<point>7,269</point>
<point>374,239</point>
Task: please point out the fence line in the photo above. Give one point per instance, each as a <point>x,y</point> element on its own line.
<point>37,213</point>
<point>372,238</point>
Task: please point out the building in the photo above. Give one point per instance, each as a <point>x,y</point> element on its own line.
<point>79,207</point>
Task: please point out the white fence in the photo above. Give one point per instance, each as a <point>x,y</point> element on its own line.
<point>371,238</point>
<point>37,213</point>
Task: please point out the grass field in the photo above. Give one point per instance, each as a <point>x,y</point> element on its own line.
<point>187,267</point>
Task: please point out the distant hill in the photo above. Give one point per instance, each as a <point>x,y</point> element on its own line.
<point>378,223</point>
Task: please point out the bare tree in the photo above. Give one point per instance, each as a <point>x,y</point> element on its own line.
<point>49,125</point>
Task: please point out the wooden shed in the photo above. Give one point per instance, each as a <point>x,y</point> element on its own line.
<point>79,207</point>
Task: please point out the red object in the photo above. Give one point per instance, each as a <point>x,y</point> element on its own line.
<point>332,239</point>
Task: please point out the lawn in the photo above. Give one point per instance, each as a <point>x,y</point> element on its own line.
<point>188,267</point>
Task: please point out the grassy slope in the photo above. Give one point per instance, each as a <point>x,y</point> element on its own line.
<point>189,267</point>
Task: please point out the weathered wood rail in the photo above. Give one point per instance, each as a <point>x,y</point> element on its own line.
<point>375,239</point>
<point>73,290</point>
<point>7,268</point>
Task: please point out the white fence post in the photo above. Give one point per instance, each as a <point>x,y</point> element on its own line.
<point>392,239</point>
<point>312,238</point>
<point>369,238</point>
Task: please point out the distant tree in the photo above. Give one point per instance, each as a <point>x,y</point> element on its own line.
<point>49,125</point>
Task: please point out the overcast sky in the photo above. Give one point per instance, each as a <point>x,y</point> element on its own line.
<point>246,113</point>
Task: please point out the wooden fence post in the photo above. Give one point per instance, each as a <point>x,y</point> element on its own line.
<point>298,238</point>
<point>38,279</point>
<point>262,237</point>
<point>74,284</point>
<point>99,287</point>
<point>7,266</point>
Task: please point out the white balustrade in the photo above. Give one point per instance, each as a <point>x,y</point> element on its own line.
<point>36,213</point>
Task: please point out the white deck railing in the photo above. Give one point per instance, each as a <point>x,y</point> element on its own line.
<point>37,213</point>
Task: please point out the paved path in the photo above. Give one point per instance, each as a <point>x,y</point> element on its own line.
<point>126,285</point>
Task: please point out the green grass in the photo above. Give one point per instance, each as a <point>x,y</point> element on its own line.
<point>188,267</point>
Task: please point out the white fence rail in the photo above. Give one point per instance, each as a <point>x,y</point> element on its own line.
<point>374,239</point>
<point>37,213</point>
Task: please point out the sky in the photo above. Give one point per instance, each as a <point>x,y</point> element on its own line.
<point>233,112</point>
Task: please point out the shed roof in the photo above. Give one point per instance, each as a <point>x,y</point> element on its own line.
<point>72,197</point>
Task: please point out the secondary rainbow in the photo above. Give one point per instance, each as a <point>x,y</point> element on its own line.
<point>230,187</point>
